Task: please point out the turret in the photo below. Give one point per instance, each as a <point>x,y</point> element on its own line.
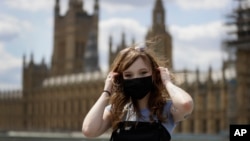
<point>198,100</point>
<point>24,60</point>
<point>96,8</point>
<point>210,79</point>
<point>197,72</point>
<point>159,15</point>
<point>123,44</point>
<point>23,72</point>
<point>185,78</point>
<point>110,50</point>
<point>223,99</point>
<point>31,59</point>
<point>133,41</point>
<point>110,43</point>
<point>211,103</point>
<point>57,8</point>
<point>43,61</point>
<point>96,18</point>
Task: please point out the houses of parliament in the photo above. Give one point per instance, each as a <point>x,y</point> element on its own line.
<point>58,97</point>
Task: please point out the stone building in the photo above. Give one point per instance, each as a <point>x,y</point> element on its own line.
<point>239,48</point>
<point>57,98</point>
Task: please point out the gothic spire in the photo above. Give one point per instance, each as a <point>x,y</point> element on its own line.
<point>210,77</point>
<point>57,8</point>
<point>159,14</point>
<point>123,44</point>
<point>24,60</point>
<point>96,7</point>
<point>110,43</point>
<point>110,50</point>
<point>197,72</point>
<point>31,58</point>
<point>158,4</point>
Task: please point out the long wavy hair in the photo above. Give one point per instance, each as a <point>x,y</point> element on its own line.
<point>158,95</point>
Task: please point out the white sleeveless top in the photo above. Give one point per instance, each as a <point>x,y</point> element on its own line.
<point>131,115</point>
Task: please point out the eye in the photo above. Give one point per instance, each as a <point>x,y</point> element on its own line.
<point>127,75</point>
<point>143,72</point>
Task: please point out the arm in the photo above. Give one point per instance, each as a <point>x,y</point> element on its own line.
<point>182,105</point>
<point>98,120</point>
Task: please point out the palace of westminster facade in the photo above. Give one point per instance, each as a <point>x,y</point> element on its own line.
<point>58,98</point>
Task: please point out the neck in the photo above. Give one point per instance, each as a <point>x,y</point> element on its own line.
<point>143,103</point>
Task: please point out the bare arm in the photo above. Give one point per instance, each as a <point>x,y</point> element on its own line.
<point>182,102</point>
<point>97,121</point>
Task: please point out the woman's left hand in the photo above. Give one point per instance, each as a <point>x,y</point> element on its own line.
<point>165,75</point>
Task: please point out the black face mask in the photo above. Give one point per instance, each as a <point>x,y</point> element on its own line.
<point>138,88</point>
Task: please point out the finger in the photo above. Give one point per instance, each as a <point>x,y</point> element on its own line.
<point>111,75</point>
<point>115,74</point>
<point>163,70</point>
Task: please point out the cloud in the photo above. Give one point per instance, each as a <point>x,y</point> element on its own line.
<point>9,69</point>
<point>191,57</point>
<point>114,5</point>
<point>202,4</point>
<point>45,5</point>
<point>112,8</point>
<point>7,60</point>
<point>11,28</point>
<point>195,32</point>
<point>197,45</point>
<point>11,79</point>
<point>30,5</point>
<point>128,3</point>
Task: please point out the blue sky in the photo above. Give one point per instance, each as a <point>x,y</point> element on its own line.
<point>196,26</point>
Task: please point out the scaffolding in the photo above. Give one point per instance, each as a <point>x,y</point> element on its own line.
<point>238,49</point>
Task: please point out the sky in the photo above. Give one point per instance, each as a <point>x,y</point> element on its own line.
<point>197,28</point>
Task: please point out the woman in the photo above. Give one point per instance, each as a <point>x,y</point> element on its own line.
<point>138,100</point>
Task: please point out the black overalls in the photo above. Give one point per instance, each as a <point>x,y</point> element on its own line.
<point>140,131</point>
<point>130,129</point>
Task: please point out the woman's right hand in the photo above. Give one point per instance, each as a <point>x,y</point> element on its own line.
<point>109,81</point>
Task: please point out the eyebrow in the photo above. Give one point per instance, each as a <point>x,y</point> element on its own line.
<point>142,69</point>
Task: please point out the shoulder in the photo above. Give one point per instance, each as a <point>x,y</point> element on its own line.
<point>167,110</point>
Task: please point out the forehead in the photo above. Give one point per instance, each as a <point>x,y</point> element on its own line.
<point>138,65</point>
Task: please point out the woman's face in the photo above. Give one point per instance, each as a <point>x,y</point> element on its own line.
<point>138,69</point>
